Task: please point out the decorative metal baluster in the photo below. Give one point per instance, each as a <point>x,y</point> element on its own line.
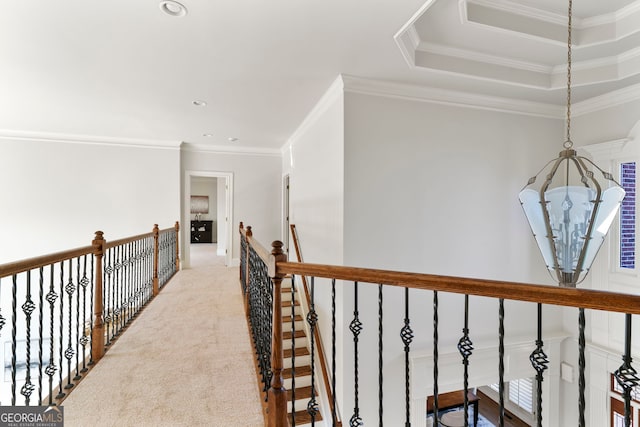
<point>501,362</point>
<point>406,333</point>
<point>51,299</point>
<point>380,355</point>
<point>40,333</point>
<point>61,393</point>
<point>14,342</point>
<point>84,339</point>
<point>334,415</point>
<point>435,358</point>
<point>626,375</point>
<point>91,311</point>
<point>465,347</point>
<point>539,361</point>
<point>581,367</point>
<point>108,294</point>
<point>27,308</point>
<point>69,352</point>
<point>312,319</point>
<point>356,328</point>
<point>77,377</point>
<point>117,291</point>
<point>293,353</point>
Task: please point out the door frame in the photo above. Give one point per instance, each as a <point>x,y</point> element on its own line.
<point>186,213</point>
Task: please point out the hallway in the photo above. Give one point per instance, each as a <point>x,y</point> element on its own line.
<point>185,361</point>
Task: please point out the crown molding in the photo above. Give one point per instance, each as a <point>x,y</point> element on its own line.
<point>608,148</point>
<point>87,139</point>
<point>219,149</point>
<point>449,97</point>
<point>328,98</point>
<point>608,100</point>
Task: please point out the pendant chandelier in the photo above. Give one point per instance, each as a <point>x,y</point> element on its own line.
<point>571,212</point>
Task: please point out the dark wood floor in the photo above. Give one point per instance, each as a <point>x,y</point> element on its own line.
<point>490,410</point>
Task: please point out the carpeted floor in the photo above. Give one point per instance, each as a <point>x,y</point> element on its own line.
<point>185,361</point>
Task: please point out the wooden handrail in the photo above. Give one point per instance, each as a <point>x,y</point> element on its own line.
<point>554,295</point>
<point>262,252</point>
<point>316,331</point>
<point>16,267</point>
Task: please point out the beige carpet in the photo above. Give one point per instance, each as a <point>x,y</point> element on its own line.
<point>185,361</point>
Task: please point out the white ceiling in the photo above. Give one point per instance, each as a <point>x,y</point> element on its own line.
<point>124,70</point>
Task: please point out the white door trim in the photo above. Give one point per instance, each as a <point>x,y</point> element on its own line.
<point>186,213</point>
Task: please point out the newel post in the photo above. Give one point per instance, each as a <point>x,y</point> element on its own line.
<point>97,335</point>
<point>177,246</point>
<point>277,395</point>
<point>156,253</point>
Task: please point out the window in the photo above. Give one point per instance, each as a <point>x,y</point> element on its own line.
<point>628,216</point>
<point>617,403</point>
<point>520,392</point>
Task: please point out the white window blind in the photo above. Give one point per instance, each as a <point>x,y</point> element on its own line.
<point>521,393</point>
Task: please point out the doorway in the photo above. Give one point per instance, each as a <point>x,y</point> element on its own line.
<point>215,225</point>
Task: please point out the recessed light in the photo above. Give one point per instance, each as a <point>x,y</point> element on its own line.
<point>173,8</point>
<point>200,103</point>
<point>208,135</point>
<point>232,139</point>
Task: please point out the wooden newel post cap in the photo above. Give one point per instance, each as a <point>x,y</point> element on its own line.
<point>177,225</point>
<point>99,236</point>
<point>241,225</point>
<point>249,232</point>
<point>155,228</point>
<point>277,255</point>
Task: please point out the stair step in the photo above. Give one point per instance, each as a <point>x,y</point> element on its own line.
<point>288,303</point>
<point>302,393</point>
<point>300,361</point>
<point>300,351</point>
<point>303,417</point>
<point>286,335</point>
<point>301,371</point>
<point>287,318</point>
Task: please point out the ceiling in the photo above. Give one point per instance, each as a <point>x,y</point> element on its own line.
<point>126,71</point>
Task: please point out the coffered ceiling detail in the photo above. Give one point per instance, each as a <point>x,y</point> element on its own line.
<point>524,43</point>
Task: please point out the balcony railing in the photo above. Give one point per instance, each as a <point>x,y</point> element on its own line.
<point>262,273</point>
<point>63,311</point>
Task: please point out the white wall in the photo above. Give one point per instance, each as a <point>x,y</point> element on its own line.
<point>314,161</point>
<point>56,194</point>
<point>256,188</point>
<point>203,186</point>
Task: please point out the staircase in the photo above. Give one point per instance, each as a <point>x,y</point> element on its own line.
<point>302,359</point>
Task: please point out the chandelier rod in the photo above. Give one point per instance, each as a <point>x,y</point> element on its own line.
<point>568,143</point>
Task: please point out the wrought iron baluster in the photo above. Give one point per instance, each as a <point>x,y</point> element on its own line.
<point>77,340</point>
<point>626,375</point>
<point>312,319</point>
<point>406,333</point>
<point>61,393</point>
<point>435,358</point>
<point>465,347</point>
<point>356,328</point>
<point>92,282</point>
<point>69,352</point>
<point>84,339</point>
<point>51,299</point>
<point>293,354</point>
<point>380,348</point>
<point>501,361</point>
<point>539,361</point>
<point>334,415</point>
<point>117,291</point>
<point>108,294</point>
<point>14,343</point>
<point>40,333</point>
<point>27,308</point>
<point>581,367</point>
